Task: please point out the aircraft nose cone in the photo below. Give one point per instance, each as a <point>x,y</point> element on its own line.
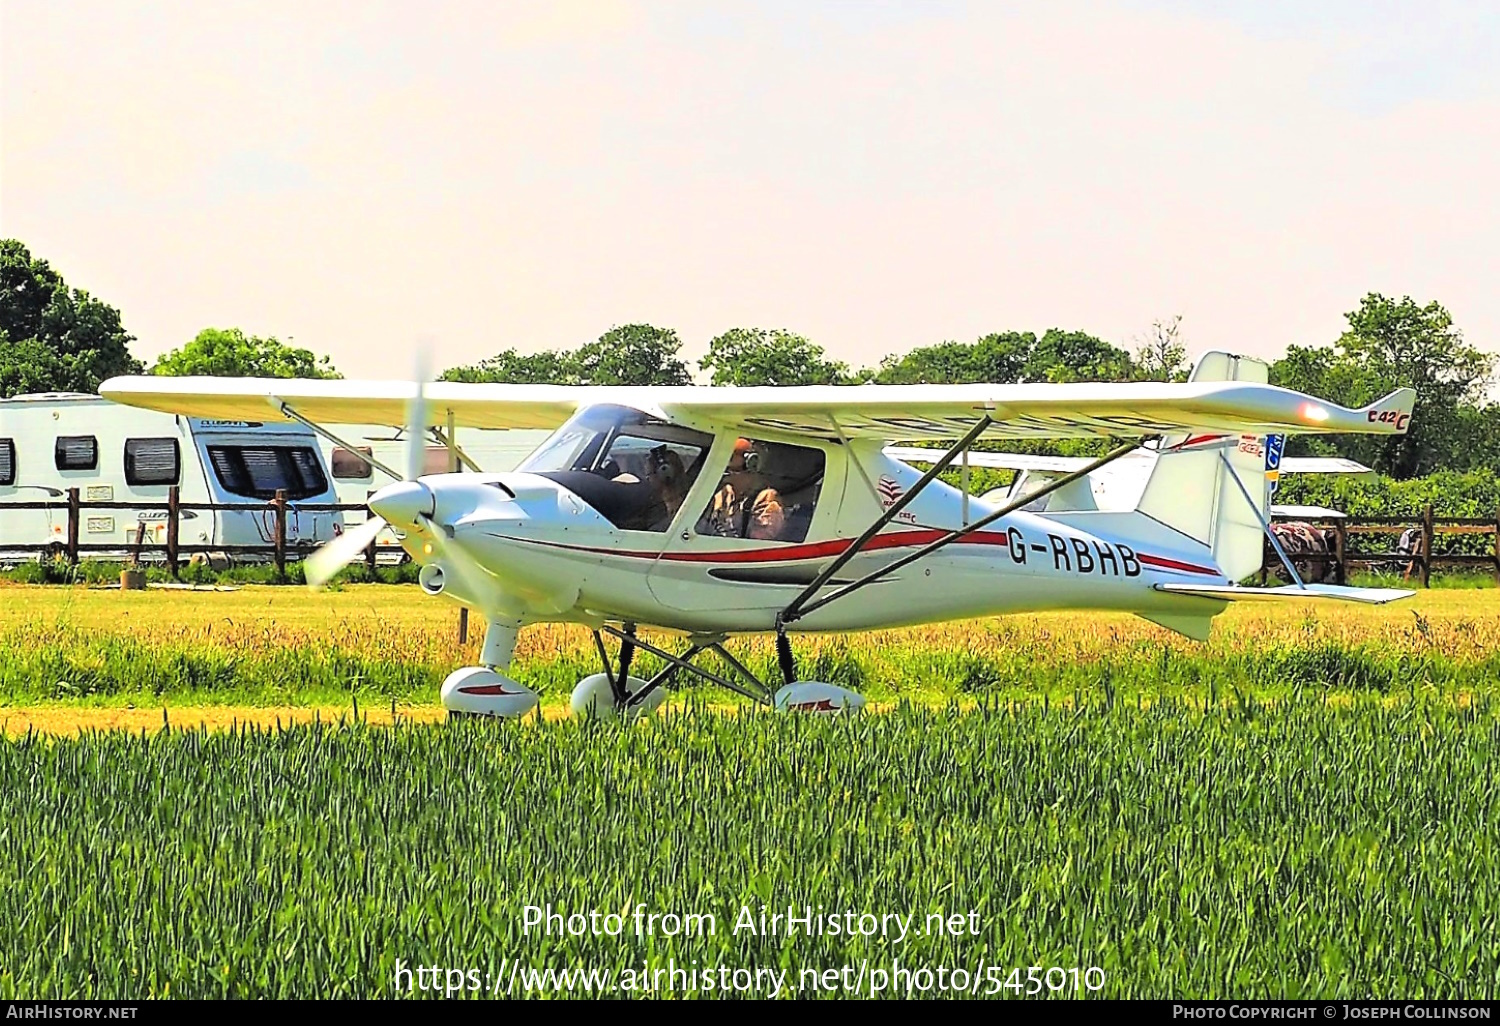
<point>403,502</point>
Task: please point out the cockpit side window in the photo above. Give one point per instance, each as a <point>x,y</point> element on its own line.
<point>635,470</point>
<point>768,492</point>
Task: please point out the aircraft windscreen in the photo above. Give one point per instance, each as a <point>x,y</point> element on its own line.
<point>634,469</point>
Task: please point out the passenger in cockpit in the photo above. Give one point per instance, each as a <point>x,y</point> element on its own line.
<point>667,478</point>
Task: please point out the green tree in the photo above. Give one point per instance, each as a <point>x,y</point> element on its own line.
<point>1391,344</point>
<point>230,353</point>
<point>1000,357</point>
<point>548,367</point>
<point>756,356</point>
<point>53,338</point>
<point>27,366</point>
<point>633,354</point>
<point>1076,356</point>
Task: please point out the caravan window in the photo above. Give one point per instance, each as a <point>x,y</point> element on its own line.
<point>76,452</point>
<point>258,471</point>
<point>349,466</point>
<point>7,461</point>
<point>151,461</point>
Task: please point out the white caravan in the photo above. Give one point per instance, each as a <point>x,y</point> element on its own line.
<point>355,478</point>
<point>113,453</point>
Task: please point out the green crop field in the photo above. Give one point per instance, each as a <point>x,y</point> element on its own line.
<point>1306,850</point>
<point>1304,806</point>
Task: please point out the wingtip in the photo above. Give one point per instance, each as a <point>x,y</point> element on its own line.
<point>1393,412</point>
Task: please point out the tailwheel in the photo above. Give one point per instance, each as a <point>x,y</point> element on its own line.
<point>811,696</point>
<point>478,690</point>
<point>595,697</point>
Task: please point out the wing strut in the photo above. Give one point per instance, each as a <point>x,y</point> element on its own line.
<point>285,409</point>
<point>794,610</point>
<point>800,607</point>
<point>455,449</point>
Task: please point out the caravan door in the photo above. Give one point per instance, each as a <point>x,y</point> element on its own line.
<point>249,462</point>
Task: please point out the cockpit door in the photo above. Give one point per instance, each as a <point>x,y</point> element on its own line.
<point>758,523</point>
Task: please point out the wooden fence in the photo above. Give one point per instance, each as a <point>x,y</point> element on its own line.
<point>279,548</point>
<point>1417,564</point>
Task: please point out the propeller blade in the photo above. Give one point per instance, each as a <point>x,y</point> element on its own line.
<point>320,567</point>
<point>416,419</point>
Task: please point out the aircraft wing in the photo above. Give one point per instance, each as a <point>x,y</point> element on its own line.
<point>994,460</point>
<point>893,413</point>
<point>888,413</point>
<point>1068,464</point>
<point>1323,465</point>
<point>1307,513</point>
<point>339,401</point>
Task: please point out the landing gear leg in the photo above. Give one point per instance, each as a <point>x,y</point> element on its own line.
<point>614,693</point>
<point>784,658</point>
<point>808,695</point>
<point>499,643</point>
<point>485,690</point>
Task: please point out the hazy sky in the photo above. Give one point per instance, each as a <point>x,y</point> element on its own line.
<point>874,175</point>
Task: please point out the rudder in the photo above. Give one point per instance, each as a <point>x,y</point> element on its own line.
<point>1199,484</point>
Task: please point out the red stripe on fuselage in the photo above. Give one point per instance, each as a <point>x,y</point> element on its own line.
<point>811,550</point>
<point>822,550</point>
<point>834,547</point>
<point>1173,564</point>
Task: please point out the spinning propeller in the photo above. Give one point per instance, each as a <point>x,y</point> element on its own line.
<point>403,502</point>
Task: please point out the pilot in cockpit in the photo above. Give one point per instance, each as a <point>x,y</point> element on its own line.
<point>746,505</point>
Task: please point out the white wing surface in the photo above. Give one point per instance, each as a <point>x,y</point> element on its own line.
<point>888,413</point>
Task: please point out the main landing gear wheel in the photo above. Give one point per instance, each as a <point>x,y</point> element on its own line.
<point>594,697</point>
<point>808,696</point>
<point>811,696</point>
<point>478,690</point>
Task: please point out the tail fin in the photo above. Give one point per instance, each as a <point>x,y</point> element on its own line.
<point>1199,484</point>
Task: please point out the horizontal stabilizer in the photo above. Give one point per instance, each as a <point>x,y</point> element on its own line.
<point>1373,596</point>
<point>1195,627</point>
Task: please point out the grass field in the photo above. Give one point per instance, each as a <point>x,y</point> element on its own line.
<point>1308,805</point>
<point>378,646</point>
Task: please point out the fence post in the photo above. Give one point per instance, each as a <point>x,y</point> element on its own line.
<point>279,505</point>
<point>1340,547</point>
<point>1426,546</point>
<point>173,500</point>
<point>463,625</point>
<point>370,548</point>
<point>73,514</point>
<point>1497,547</point>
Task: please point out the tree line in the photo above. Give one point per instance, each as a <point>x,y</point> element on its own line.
<point>56,338</point>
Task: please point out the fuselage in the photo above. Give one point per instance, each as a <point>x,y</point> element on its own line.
<point>556,542</point>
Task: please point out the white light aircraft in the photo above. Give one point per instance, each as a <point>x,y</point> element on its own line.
<point>712,513</point>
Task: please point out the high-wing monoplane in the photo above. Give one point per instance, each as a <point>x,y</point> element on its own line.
<point>713,513</point>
